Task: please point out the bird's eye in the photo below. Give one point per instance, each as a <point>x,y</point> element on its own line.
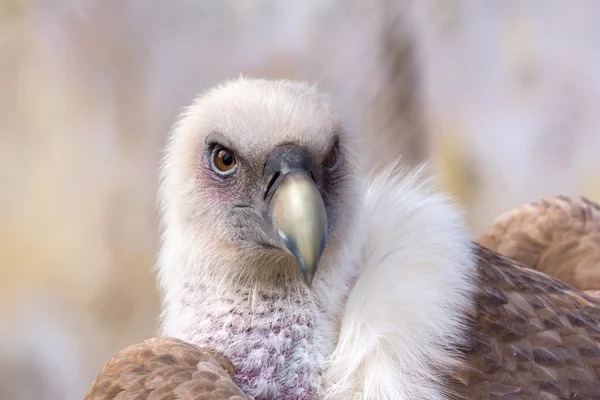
<point>223,161</point>
<point>331,162</point>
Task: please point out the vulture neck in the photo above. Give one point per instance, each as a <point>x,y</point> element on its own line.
<point>277,333</point>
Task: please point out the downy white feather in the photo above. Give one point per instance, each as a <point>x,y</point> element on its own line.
<point>404,316</point>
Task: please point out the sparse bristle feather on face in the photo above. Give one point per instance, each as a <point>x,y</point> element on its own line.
<point>251,118</point>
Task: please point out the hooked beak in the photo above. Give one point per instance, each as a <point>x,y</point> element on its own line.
<point>296,209</point>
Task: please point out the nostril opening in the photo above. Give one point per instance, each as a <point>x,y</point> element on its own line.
<point>313,176</point>
<point>271,183</point>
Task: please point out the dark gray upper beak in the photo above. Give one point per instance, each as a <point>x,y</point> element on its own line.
<point>296,207</point>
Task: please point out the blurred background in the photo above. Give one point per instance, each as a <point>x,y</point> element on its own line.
<point>504,96</point>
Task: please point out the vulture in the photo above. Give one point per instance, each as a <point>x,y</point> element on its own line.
<point>287,272</point>
<point>559,236</point>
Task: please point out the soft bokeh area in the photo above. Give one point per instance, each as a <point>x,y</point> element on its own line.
<point>503,95</point>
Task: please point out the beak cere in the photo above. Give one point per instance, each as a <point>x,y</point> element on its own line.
<point>296,208</point>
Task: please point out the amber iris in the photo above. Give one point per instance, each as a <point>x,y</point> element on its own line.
<point>331,160</point>
<point>224,160</point>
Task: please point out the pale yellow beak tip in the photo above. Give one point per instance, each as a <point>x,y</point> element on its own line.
<point>300,219</point>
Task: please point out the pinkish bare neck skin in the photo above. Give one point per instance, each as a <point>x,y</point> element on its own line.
<point>269,335</point>
<point>282,361</point>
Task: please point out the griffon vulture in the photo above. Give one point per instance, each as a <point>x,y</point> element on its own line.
<point>318,281</point>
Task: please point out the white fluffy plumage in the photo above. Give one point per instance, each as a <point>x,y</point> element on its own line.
<point>384,315</point>
<point>403,317</point>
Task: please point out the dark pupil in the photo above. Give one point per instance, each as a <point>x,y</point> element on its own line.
<point>226,158</point>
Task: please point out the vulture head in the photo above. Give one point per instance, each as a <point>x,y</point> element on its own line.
<point>262,173</point>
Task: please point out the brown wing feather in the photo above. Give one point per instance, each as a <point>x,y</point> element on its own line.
<point>593,293</point>
<point>558,235</point>
<point>166,369</point>
<point>533,336</point>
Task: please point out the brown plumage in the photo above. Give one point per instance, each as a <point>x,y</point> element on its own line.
<point>532,337</point>
<point>593,293</point>
<point>166,368</point>
<point>559,236</point>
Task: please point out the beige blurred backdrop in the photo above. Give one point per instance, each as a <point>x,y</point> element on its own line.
<point>504,96</point>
